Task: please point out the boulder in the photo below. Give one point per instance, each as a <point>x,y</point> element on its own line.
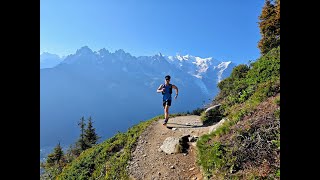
<point>171,145</point>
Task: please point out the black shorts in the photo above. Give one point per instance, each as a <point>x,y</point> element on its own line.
<point>166,102</point>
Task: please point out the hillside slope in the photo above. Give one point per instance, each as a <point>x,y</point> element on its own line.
<point>247,145</point>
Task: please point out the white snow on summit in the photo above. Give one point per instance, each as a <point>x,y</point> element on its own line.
<point>222,66</point>
<point>202,64</point>
<point>207,71</point>
<point>197,66</point>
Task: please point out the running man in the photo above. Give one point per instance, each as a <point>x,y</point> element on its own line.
<point>166,90</point>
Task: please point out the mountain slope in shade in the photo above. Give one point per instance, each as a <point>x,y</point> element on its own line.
<point>118,90</point>
<point>48,60</point>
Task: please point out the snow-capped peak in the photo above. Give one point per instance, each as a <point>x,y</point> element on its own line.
<point>171,58</point>
<point>222,66</point>
<point>186,57</point>
<point>180,58</point>
<point>202,62</point>
<point>195,66</point>
<point>183,58</point>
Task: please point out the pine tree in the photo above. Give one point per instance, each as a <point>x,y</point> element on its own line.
<point>58,152</point>
<point>91,136</point>
<point>56,156</point>
<point>54,164</point>
<point>269,26</point>
<point>81,143</point>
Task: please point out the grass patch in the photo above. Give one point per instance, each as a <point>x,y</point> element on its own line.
<point>212,116</point>
<point>108,160</point>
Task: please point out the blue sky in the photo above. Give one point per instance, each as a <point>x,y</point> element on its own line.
<point>222,29</point>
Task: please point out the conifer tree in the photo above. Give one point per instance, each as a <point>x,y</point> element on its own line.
<point>54,164</point>
<point>58,152</point>
<point>56,156</point>
<point>91,136</point>
<point>81,143</point>
<point>269,26</point>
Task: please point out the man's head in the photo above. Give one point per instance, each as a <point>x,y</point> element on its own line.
<point>167,78</point>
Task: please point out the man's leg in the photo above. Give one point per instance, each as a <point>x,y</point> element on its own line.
<point>166,112</point>
<point>167,109</point>
<point>164,103</point>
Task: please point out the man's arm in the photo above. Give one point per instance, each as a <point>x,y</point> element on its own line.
<point>160,89</point>
<point>177,91</point>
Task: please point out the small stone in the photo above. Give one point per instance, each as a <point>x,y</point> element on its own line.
<point>171,167</point>
<point>191,169</point>
<point>144,155</point>
<point>159,173</point>
<point>173,129</point>
<point>184,154</point>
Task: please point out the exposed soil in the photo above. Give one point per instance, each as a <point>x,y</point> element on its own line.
<point>148,162</point>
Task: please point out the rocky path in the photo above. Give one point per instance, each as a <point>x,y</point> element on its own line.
<point>150,162</point>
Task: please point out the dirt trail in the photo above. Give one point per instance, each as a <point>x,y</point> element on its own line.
<point>150,163</point>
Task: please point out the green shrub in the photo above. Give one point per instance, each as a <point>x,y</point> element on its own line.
<point>276,143</point>
<point>197,111</point>
<point>265,68</point>
<point>211,116</point>
<point>239,96</point>
<point>277,114</point>
<point>277,101</point>
<point>211,157</point>
<point>239,71</point>
<point>278,173</point>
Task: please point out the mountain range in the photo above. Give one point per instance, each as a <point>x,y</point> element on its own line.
<point>48,60</point>
<point>118,90</point>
